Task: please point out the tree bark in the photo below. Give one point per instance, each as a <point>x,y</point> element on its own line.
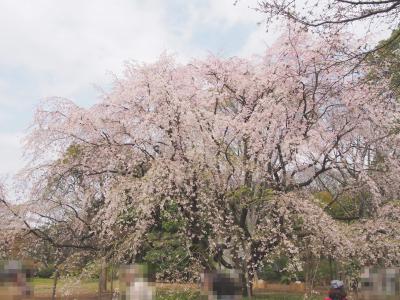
<point>54,288</point>
<point>103,278</point>
<point>249,285</point>
<point>330,268</point>
<point>112,279</point>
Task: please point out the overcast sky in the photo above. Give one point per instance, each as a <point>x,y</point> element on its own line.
<point>65,47</point>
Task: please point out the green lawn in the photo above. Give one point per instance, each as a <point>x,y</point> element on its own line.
<point>284,297</point>
<point>173,295</point>
<point>43,287</point>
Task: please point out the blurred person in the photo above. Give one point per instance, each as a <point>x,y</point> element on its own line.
<point>337,291</point>
<point>14,284</point>
<point>135,285</point>
<point>221,286</point>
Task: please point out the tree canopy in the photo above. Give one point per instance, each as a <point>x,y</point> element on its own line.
<point>226,155</point>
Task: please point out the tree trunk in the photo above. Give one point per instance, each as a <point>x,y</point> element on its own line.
<point>308,274</point>
<point>246,279</point>
<point>249,285</point>
<point>314,274</point>
<point>243,283</point>
<point>112,279</point>
<point>54,288</point>
<point>103,278</point>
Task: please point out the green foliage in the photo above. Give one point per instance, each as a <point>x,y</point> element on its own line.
<point>352,271</point>
<point>324,197</point>
<point>165,249</point>
<point>127,217</point>
<point>91,270</point>
<point>285,279</point>
<point>386,61</point>
<point>345,206</point>
<point>324,272</point>
<point>275,271</point>
<point>45,271</point>
<point>245,196</point>
<point>165,252</point>
<point>73,151</point>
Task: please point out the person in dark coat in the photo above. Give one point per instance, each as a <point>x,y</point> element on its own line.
<point>337,291</point>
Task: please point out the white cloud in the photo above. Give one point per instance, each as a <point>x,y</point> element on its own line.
<point>75,42</point>
<point>63,47</point>
<point>10,153</point>
<point>242,12</point>
<point>260,39</point>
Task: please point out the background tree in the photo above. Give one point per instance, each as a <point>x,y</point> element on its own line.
<point>386,61</point>
<point>332,17</point>
<point>328,15</point>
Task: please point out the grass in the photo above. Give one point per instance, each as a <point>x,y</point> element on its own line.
<point>43,287</point>
<point>85,290</point>
<point>195,295</point>
<point>283,297</point>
